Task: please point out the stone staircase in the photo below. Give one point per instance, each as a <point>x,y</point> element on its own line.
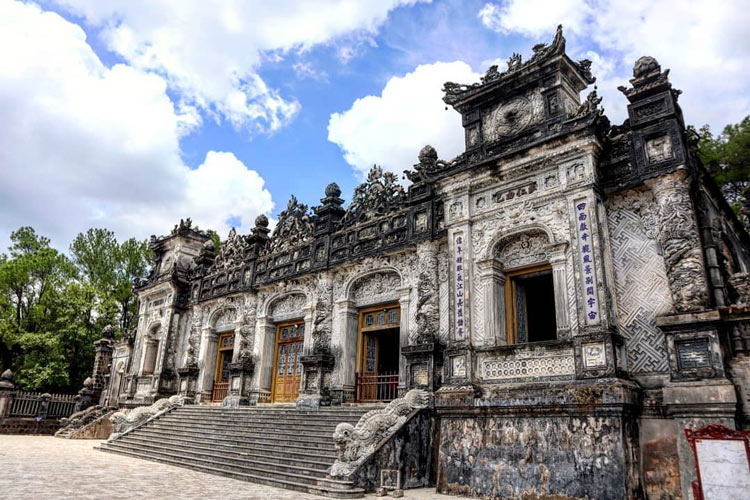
<point>273,445</point>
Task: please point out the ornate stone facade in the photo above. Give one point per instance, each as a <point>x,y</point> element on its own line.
<point>565,289</point>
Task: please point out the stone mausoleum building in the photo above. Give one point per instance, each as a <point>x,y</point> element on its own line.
<point>570,295</point>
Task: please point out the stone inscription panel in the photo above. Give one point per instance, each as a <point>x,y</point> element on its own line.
<point>724,468</point>
<point>460,290</point>
<point>584,226</point>
<point>693,354</point>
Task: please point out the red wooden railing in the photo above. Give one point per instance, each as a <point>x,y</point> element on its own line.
<point>377,388</point>
<point>220,391</point>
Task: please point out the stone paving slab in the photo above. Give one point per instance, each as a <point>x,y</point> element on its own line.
<point>48,468</point>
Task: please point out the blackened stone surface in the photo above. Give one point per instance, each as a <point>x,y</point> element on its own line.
<point>535,457</point>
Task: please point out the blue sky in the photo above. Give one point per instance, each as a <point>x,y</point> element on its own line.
<point>130,114</point>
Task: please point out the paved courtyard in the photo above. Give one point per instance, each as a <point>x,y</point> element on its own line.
<point>43,467</point>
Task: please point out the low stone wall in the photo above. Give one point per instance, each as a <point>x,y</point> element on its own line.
<point>576,443</point>
<point>29,426</point>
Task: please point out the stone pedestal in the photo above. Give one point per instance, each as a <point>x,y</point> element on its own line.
<point>315,392</point>
<point>423,366</point>
<point>6,393</point>
<point>239,383</point>
<point>188,378</point>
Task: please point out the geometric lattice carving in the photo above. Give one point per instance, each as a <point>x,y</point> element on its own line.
<point>640,279</point>
<point>549,365</point>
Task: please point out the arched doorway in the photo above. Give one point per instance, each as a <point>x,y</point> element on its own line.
<point>290,338</point>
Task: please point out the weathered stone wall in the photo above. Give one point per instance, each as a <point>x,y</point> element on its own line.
<point>535,457</point>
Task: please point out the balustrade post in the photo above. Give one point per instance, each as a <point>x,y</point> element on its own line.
<point>7,393</point>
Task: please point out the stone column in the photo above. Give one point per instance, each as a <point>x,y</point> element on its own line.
<point>678,236</point>
<point>405,302</point>
<point>559,282</point>
<point>492,280</point>
<point>345,352</point>
<point>206,365</point>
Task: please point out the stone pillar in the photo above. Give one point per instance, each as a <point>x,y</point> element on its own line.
<point>7,391</point>
<point>265,347</point>
<point>103,363</point>
<point>345,353</point>
<point>405,302</point>
<point>492,282</point>
<point>206,365</point>
<point>678,237</point>
<point>559,281</point>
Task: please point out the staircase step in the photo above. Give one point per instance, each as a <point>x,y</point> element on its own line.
<point>265,453</point>
<point>324,490</point>
<point>276,446</point>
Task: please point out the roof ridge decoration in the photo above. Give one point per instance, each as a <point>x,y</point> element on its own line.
<point>293,227</point>
<point>379,194</point>
<point>429,166</point>
<point>231,252</point>
<point>455,92</point>
<point>648,79</point>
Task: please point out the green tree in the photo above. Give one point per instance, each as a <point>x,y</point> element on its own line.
<point>53,308</point>
<point>727,159</point>
<point>109,268</point>
<point>31,281</point>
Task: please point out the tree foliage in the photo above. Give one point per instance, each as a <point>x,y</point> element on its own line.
<point>727,159</point>
<point>53,307</point>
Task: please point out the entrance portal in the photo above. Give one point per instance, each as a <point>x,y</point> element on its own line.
<point>223,358</point>
<point>288,370</point>
<point>377,367</point>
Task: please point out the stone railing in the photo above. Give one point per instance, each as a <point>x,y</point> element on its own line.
<point>124,423</point>
<point>355,444</point>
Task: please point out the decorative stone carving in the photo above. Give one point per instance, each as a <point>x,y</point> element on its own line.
<point>231,252</point>
<point>677,236</point>
<point>427,314</point>
<point>81,418</point>
<point>640,279</point>
<point>590,105</point>
<point>322,317</point>
<point>659,149</point>
<point>375,285</point>
<point>741,284</point>
<point>287,305</point>
<point>124,422</point>
<point>510,118</point>
<point>224,318</point>
<point>293,228</point>
<point>523,249</point>
<point>355,444</point>
<point>428,166</point>
<point>379,194</point>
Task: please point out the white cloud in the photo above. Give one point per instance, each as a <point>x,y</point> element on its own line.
<point>389,129</point>
<point>85,145</point>
<point>704,42</point>
<point>533,17</point>
<point>211,52</point>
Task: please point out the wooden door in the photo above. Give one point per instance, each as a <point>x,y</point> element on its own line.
<point>290,338</point>
<point>370,366</point>
<point>223,359</point>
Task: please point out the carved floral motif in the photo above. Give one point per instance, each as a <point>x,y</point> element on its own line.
<point>375,285</point>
